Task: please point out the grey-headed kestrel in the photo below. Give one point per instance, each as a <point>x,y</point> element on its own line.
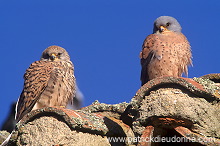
<point>48,82</point>
<point>166,52</point>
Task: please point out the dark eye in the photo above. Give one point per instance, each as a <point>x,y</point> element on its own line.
<point>168,24</point>
<point>59,54</point>
<point>46,55</point>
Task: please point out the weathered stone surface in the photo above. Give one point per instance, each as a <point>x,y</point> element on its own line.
<point>168,103</point>
<point>58,126</point>
<point>164,107</point>
<point>176,103</point>
<point>51,131</point>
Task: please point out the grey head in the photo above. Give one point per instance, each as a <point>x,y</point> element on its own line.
<point>169,23</point>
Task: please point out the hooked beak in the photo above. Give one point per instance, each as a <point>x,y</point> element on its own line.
<point>53,57</point>
<point>162,28</point>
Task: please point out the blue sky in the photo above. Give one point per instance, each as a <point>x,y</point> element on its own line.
<point>103,38</point>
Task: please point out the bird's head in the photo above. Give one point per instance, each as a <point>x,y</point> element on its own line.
<point>55,53</point>
<point>166,23</point>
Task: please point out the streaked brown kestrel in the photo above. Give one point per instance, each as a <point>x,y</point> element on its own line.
<point>166,52</point>
<point>48,82</point>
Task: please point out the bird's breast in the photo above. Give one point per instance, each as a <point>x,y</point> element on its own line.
<point>60,87</point>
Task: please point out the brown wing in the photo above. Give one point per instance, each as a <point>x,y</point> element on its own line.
<point>36,78</point>
<point>60,87</point>
<point>146,55</point>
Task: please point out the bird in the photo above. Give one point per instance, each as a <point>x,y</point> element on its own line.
<point>165,52</point>
<point>49,82</point>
